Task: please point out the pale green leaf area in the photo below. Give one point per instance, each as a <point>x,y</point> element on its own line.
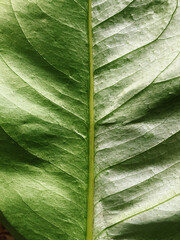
<point>90,119</point>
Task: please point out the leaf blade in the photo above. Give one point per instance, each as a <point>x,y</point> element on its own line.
<point>137,117</point>
<point>44,120</point>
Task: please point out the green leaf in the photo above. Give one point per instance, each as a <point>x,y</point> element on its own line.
<point>89,119</point>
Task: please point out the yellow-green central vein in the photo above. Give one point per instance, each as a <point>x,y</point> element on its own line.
<point>90,211</point>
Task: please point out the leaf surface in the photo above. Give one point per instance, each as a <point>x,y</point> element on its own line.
<point>46,89</point>
<point>44,119</point>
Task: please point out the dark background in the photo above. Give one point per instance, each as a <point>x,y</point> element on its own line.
<point>4,234</point>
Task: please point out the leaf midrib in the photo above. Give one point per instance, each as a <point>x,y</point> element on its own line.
<point>90,210</point>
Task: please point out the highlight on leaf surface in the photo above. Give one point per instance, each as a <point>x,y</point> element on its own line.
<point>89,119</point>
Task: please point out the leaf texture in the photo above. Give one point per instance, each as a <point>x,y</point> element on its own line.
<point>137,87</point>
<point>45,118</point>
